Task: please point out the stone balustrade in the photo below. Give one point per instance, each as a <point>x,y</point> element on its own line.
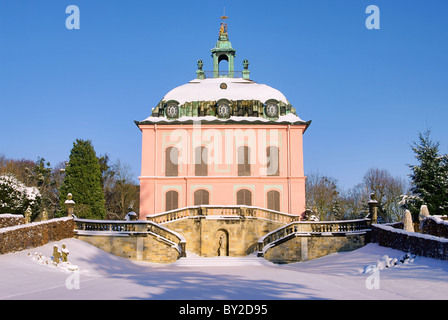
<point>225,211</point>
<point>115,227</point>
<point>277,236</point>
<point>313,228</point>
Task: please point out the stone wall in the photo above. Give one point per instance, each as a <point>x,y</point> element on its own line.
<point>9,220</point>
<point>288,251</point>
<point>307,247</point>
<point>36,234</point>
<point>213,236</point>
<point>435,226</point>
<point>412,242</point>
<point>143,247</point>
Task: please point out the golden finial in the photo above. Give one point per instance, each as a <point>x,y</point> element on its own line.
<point>223,29</point>
<point>224,17</point>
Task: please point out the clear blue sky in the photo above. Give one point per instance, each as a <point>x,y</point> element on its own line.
<point>367,92</point>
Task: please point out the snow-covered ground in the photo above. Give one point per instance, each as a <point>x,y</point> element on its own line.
<point>104,276</point>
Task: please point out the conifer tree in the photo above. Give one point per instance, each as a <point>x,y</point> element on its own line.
<point>83,180</point>
<point>430,176</point>
<point>15,197</point>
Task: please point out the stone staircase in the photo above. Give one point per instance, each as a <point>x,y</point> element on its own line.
<point>194,260</point>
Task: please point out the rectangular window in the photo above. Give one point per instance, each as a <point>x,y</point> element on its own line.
<point>171,160</point>
<point>200,161</point>
<point>243,161</point>
<point>272,155</point>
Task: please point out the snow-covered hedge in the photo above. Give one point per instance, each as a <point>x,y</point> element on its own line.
<point>15,197</point>
<point>412,242</point>
<point>35,234</point>
<point>9,220</point>
<point>435,226</point>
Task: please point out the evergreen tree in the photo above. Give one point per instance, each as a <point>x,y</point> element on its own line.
<point>430,176</point>
<point>15,197</point>
<point>83,180</point>
<point>336,211</point>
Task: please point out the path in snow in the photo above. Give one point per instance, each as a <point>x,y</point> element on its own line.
<point>105,276</point>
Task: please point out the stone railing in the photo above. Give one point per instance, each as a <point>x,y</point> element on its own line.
<point>116,227</point>
<point>313,228</point>
<point>173,215</point>
<point>392,236</point>
<point>224,211</point>
<point>223,74</point>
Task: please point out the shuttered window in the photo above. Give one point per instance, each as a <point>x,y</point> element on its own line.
<point>243,161</point>
<point>272,155</point>
<point>171,162</point>
<point>244,197</point>
<point>201,197</point>
<point>273,200</point>
<point>200,161</point>
<point>171,200</point>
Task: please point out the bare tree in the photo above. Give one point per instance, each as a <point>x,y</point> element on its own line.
<point>120,191</point>
<point>354,202</point>
<point>387,190</point>
<point>321,195</point>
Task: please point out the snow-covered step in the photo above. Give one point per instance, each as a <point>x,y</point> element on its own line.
<point>195,260</point>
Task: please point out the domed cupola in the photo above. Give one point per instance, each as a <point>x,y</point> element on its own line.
<point>224,95</point>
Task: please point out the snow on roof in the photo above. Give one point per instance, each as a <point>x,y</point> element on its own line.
<point>210,90</point>
<point>289,118</point>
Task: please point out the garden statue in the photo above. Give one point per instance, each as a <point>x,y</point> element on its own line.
<point>65,253</point>
<point>56,255</point>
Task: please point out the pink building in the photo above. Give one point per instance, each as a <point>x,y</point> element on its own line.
<point>222,139</point>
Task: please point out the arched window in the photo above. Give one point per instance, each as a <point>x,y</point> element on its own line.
<point>201,196</point>
<point>244,197</point>
<point>171,162</point>
<point>171,200</point>
<point>243,161</point>
<point>273,200</point>
<point>272,155</point>
<point>200,161</point>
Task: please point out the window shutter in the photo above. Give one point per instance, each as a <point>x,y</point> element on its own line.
<point>171,200</point>
<point>243,161</point>
<point>171,167</point>
<point>200,167</point>
<point>272,155</point>
<point>244,197</point>
<point>201,197</point>
<point>273,200</point>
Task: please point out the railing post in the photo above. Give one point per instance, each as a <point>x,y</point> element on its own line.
<point>373,209</point>
<point>69,204</point>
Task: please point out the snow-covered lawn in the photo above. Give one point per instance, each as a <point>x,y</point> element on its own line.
<point>104,276</point>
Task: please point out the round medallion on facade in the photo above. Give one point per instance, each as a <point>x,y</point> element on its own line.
<point>223,110</point>
<point>172,111</point>
<point>272,110</point>
<point>223,85</point>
